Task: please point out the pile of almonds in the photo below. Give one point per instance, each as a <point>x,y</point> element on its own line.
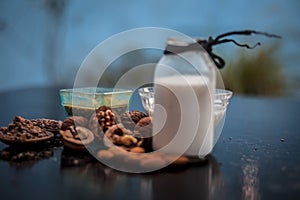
<point>138,160</point>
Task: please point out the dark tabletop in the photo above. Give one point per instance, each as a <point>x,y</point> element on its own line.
<point>256,157</point>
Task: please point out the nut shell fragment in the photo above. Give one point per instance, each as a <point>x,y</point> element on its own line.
<point>83,137</point>
<point>74,121</point>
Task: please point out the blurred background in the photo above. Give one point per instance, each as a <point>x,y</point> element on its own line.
<point>43,42</point>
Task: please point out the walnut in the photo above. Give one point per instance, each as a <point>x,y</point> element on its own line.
<point>79,136</point>
<point>129,119</point>
<point>113,135</point>
<point>74,121</point>
<point>136,115</point>
<point>143,130</point>
<point>129,140</point>
<point>106,117</point>
<point>73,130</point>
<point>144,122</point>
<point>122,134</point>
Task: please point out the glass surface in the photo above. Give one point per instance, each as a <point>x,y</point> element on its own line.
<point>147,98</point>
<point>221,101</point>
<point>220,104</point>
<point>94,97</point>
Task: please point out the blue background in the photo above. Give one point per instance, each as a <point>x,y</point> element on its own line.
<point>43,42</point>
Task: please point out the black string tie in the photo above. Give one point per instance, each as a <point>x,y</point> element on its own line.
<point>210,42</point>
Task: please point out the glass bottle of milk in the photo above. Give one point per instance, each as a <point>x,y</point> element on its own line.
<point>184,83</point>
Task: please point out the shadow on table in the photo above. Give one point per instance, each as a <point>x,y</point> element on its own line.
<point>26,156</point>
<point>193,181</point>
<point>20,159</point>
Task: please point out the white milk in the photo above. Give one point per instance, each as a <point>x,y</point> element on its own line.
<point>188,106</point>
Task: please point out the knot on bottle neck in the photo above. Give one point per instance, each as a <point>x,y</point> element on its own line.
<point>207,45</point>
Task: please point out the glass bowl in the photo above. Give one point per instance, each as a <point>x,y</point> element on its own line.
<point>147,98</point>
<point>221,101</point>
<point>84,101</point>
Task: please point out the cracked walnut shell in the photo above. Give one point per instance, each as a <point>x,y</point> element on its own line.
<point>83,136</point>
<point>74,121</point>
